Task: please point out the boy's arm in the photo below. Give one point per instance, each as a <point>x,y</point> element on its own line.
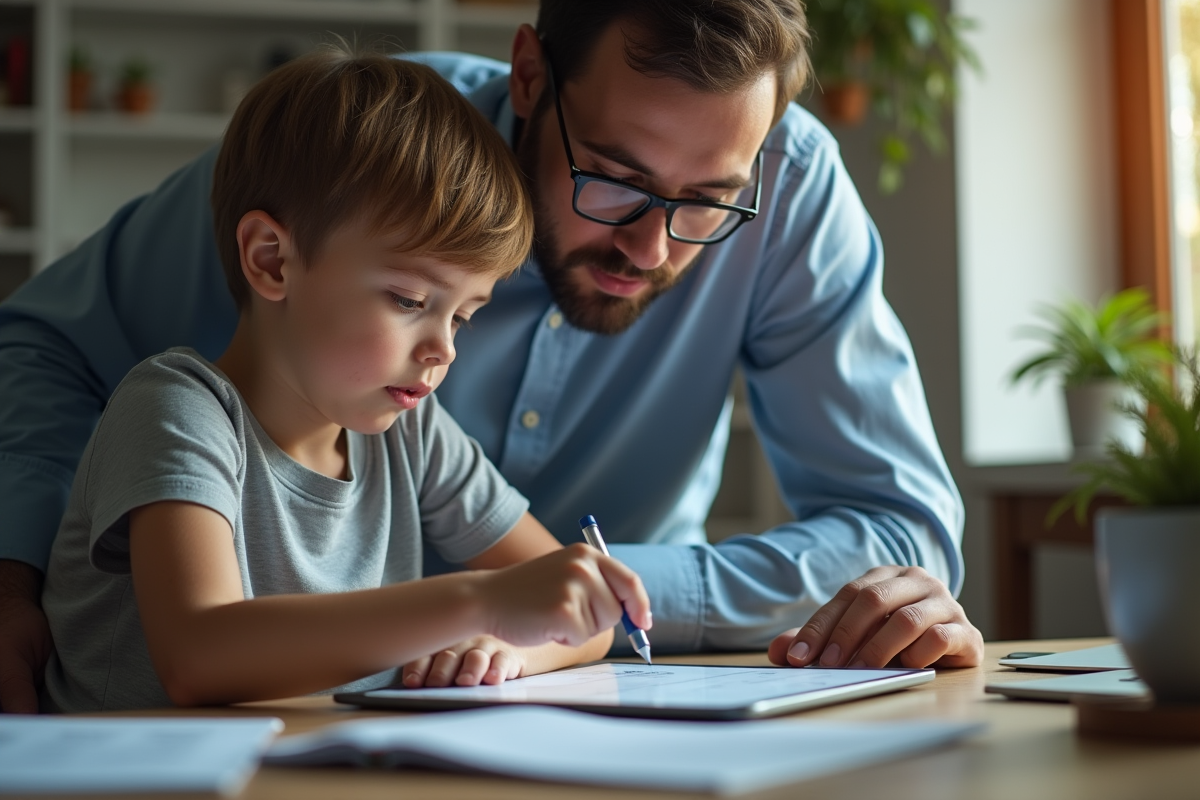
<point>210,645</point>
<point>490,660</point>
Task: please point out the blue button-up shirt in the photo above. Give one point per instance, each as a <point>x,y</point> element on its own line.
<point>631,428</point>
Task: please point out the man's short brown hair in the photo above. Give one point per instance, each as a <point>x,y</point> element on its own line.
<point>711,45</point>
<point>333,135</point>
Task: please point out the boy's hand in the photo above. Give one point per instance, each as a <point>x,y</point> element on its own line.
<point>568,597</point>
<point>482,659</point>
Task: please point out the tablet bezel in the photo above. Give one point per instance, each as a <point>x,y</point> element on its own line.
<point>766,707</point>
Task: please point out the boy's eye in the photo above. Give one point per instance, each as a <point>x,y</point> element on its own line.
<point>461,322</point>
<point>406,303</point>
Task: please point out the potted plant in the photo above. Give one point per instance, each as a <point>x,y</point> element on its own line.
<point>79,79</point>
<point>1146,555</point>
<point>136,92</point>
<point>1092,349</point>
<point>897,57</point>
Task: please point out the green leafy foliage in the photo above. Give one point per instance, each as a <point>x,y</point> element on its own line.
<point>906,52</point>
<point>1167,472</point>
<point>1086,343</point>
<point>136,70</point>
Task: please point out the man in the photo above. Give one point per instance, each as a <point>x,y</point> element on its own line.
<point>688,221</point>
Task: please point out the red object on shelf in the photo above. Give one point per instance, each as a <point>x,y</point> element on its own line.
<point>16,71</point>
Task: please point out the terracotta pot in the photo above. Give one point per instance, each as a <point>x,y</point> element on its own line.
<point>846,103</point>
<point>136,98</point>
<point>79,90</point>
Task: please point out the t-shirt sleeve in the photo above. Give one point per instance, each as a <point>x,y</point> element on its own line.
<point>466,504</point>
<point>166,435</point>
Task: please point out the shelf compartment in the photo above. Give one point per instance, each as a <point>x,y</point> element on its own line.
<point>17,241</point>
<point>383,11</point>
<point>17,120</point>
<point>164,126</point>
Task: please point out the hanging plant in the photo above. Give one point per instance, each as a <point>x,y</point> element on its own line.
<point>896,58</point>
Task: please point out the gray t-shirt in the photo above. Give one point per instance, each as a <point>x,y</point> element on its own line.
<point>177,429</point>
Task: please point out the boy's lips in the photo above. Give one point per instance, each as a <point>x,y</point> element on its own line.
<point>408,396</point>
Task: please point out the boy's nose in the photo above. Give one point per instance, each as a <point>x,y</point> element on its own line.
<point>644,242</point>
<point>437,350</point>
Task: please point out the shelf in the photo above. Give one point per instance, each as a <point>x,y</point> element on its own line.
<point>16,241</point>
<point>487,15</point>
<point>17,120</point>
<point>166,126</point>
<point>340,10</point>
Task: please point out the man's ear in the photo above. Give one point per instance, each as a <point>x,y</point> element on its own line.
<point>527,80</point>
<point>265,249</point>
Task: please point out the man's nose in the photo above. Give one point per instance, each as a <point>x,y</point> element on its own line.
<point>644,242</point>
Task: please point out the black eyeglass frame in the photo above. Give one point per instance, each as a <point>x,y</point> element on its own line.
<point>582,178</point>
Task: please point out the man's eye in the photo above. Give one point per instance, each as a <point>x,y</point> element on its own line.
<point>406,303</point>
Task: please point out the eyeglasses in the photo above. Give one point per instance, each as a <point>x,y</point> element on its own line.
<point>613,202</point>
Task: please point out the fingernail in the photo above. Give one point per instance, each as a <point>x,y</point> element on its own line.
<point>411,680</point>
<point>859,664</point>
<point>799,651</point>
<point>831,655</point>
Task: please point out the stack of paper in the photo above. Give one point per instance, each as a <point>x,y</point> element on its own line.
<point>574,747</point>
<point>59,754</point>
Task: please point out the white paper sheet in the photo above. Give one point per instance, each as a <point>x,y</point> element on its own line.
<point>575,747</point>
<point>66,754</point>
<point>663,686</point>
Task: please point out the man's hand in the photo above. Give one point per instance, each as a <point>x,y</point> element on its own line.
<point>24,637</point>
<point>482,659</point>
<point>901,613</point>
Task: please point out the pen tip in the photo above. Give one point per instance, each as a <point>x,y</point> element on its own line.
<point>645,654</point>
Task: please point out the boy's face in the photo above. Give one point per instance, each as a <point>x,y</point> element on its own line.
<point>369,330</point>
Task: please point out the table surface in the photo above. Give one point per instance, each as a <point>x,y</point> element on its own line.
<point>1029,750</point>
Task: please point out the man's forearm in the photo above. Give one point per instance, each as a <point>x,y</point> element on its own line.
<point>740,593</point>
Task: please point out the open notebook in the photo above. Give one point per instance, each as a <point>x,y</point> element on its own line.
<point>554,744</point>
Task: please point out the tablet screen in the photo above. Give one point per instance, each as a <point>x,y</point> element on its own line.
<point>664,686</point>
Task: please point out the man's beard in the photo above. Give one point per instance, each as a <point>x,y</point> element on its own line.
<point>589,310</point>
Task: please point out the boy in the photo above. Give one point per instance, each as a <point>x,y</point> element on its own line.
<point>249,529</point>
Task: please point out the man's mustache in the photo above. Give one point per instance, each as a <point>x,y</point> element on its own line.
<point>615,263</point>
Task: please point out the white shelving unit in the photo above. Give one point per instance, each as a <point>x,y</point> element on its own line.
<point>65,173</point>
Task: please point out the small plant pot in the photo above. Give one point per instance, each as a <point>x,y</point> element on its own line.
<point>846,103</point>
<point>136,98</point>
<point>79,90</point>
<point>1146,560</point>
<point>1094,412</point>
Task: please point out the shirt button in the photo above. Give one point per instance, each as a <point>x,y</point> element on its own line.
<point>555,321</point>
<point>530,419</point>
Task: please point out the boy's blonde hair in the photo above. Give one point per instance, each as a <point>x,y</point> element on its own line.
<point>332,135</point>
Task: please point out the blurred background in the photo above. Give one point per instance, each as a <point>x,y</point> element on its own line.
<point>1011,152</point>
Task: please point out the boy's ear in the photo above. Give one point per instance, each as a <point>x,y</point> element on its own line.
<point>527,80</point>
<point>265,248</point>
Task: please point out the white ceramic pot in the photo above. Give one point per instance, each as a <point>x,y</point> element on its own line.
<point>1147,559</point>
<point>1094,411</point>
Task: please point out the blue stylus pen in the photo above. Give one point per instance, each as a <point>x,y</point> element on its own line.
<point>637,636</point>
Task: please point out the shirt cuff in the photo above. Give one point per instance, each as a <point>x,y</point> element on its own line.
<point>33,494</point>
<point>673,577</point>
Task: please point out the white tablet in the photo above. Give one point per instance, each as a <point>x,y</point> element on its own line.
<point>662,690</point>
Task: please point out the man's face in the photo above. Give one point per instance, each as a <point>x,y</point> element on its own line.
<point>655,133</point>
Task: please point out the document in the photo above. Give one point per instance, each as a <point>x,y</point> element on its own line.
<point>554,744</point>
<point>63,754</point>
<point>663,690</point>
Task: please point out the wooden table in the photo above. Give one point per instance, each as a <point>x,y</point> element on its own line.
<point>1030,750</point>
